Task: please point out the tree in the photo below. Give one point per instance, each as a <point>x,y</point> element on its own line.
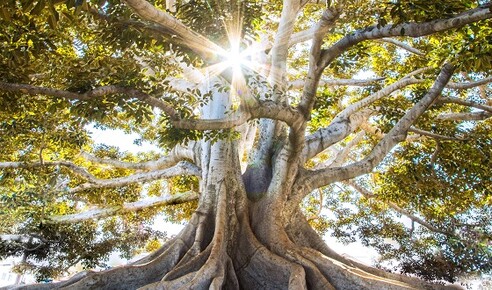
<point>266,111</point>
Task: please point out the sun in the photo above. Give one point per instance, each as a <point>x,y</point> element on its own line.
<point>235,59</point>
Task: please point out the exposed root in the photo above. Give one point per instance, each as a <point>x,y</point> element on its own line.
<point>204,268</point>
<point>334,265</point>
<point>346,277</point>
<point>219,250</point>
<point>259,268</point>
<point>192,265</point>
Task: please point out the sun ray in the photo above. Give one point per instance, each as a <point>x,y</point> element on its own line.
<point>241,58</point>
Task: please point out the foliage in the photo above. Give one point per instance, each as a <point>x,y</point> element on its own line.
<point>81,45</point>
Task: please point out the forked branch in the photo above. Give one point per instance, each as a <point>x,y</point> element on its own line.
<point>261,109</point>
<point>182,168</point>
<point>346,121</point>
<point>319,178</point>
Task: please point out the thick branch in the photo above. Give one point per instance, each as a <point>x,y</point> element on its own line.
<point>476,116</point>
<point>316,179</point>
<point>198,43</point>
<point>404,29</point>
<point>182,168</point>
<point>261,109</point>
<point>302,36</point>
<point>90,95</point>
<point>280,47</point>
<point>338,130</point>
<point>273,110</point>
<point>233,120</point>
<point>100,213</point>
<point>346,122</point>
<point>328,19</point>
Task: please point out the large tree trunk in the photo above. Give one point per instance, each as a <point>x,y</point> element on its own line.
<point>245,234</point>
<point>232,242</point>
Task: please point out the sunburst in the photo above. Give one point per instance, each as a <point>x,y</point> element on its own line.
<point>239,58</point>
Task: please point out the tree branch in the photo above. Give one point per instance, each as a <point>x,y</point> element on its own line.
<point>346,121</point>
<point>273,110</point>
<point>318,178</point>
<point>280,46</point>
<point>404,82</point>
<point>82,172</point>
<point>343,154</point>
<point>475,116</point>
<point>20,238</point>
<point>302,36</point>
<point>261,109</point>
<point>328,19</point>
<point>100,213</point>
<point>90,95</point>
<point>193,40</point>
<point>469,85</point>
<point>404,29</point>
<point>232,120</point>
<point>338,130</point>
<point>464,103</point>
<point>402,45</point>
<point>433,135</point>
<point>178,153</point>
<point>297,84</point>
<point>182,168</point>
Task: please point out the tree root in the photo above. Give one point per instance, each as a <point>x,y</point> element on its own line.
<point>236,261</point>
<point>331,263</point>
<point>219,250</point>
